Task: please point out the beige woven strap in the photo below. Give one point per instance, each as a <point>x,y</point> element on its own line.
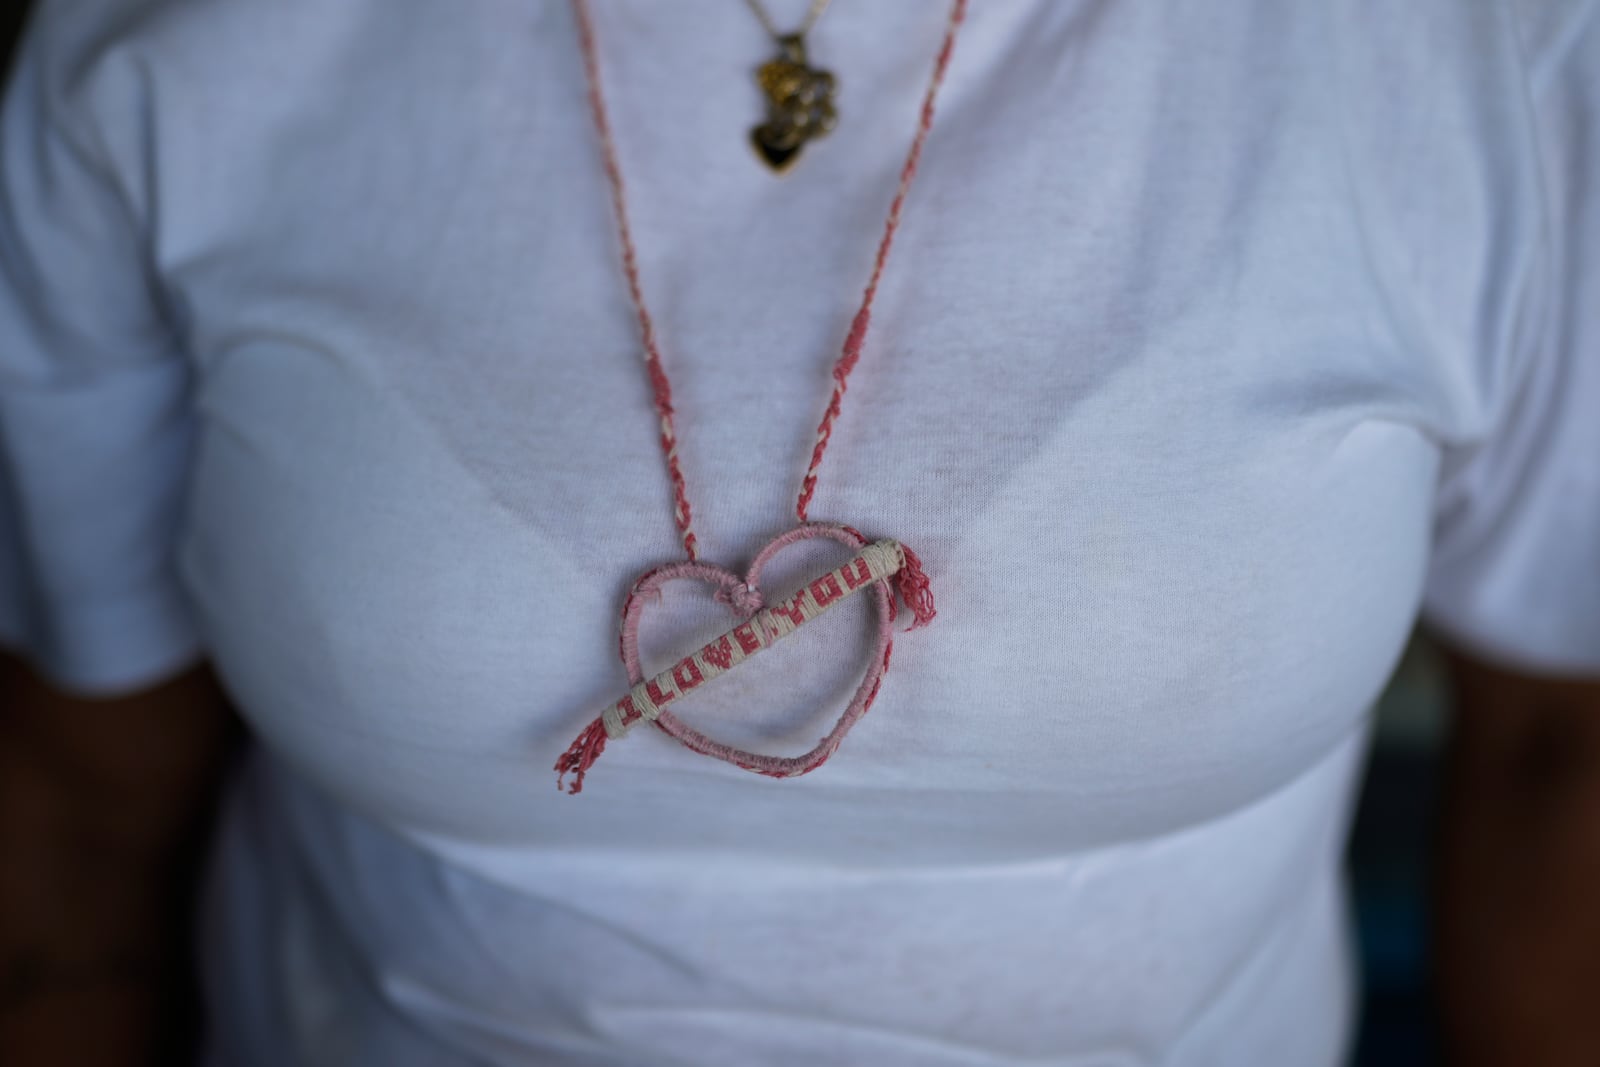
<point>875,562</point>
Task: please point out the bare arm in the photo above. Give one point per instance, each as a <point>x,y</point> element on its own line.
<point>1518,872</point>
<point>103,806</point>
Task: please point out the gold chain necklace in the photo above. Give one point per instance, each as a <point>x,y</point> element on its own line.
<point>800,105</point>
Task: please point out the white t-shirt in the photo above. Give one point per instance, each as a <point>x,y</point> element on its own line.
<point>1218,343</point>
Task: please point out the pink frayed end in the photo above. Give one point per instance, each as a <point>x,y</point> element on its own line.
<point>911,582</point>
<point>580,756</point>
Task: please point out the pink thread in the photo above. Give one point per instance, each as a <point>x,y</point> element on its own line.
<point>857,337</point>
<point>580,756</point>
<point>660,387</point>
<point>849,356</point>
<point>649,585</point>
<point>744,601</point>
<point>780,766</point>
<point>590,742</point>
<point>912,585</point>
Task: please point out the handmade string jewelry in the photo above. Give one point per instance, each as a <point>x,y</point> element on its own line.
<point>873,567</point>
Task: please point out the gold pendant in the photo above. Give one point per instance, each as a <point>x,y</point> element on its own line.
<point>799,104</point>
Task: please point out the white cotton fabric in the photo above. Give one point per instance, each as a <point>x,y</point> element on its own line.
<point>1218,344</point>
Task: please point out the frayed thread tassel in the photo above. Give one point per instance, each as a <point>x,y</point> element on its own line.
<point>912,585</point>
<point>580,756</point>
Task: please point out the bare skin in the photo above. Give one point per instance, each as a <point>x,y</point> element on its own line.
<point>1517,891</point>
<point>103,804</point>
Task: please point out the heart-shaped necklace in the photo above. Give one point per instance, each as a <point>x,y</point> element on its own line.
<point>873,567</point>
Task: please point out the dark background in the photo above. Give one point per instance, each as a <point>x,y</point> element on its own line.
<point>1388,864</point>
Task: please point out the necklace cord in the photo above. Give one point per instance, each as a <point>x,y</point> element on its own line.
<point>813,13</point>
<point>857,337</point>
<point>850,354</point>
<point>660,386</point>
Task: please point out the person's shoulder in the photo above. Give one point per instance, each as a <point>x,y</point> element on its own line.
<point>113,76</point>
<point>77,45</point>
<point>75,34</point>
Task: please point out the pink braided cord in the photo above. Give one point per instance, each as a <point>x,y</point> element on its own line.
<point>660,386</point>
<point>849,356</point>
<point>857,337</point>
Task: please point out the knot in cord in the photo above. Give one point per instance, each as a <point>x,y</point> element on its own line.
<point>744,599</point>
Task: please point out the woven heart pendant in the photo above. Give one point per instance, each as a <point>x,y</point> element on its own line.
<point>871,570</point>
<point>802,106</point>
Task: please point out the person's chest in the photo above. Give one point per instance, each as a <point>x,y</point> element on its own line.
<point>1132,391</point>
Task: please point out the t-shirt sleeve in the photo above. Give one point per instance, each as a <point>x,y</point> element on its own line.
<point>1515,572</point>
<point>95,419</point>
